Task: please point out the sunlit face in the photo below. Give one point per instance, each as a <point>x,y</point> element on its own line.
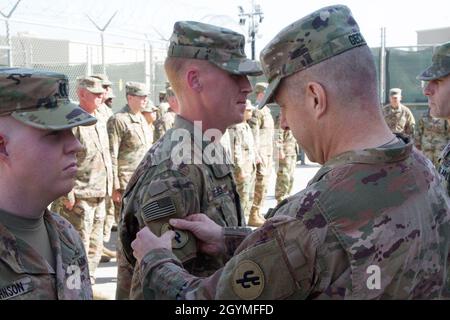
<point>90,101</point>
<point>137,103</point>
<point>149,116</point>
<point>395,100</point>
<point>224,96</point>
<point>295,115</point>
<point>438,93</point>
<point>44,161</point>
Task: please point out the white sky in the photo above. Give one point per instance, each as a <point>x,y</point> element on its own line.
<point>156,17</point>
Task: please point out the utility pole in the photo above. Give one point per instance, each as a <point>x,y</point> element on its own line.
<point>255,17</point>
<point>8,33</point>
<point>102,31</point>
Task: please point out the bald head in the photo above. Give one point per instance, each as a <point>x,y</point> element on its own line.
<point>349,79</point>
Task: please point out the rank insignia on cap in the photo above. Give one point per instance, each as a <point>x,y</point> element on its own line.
<point>248,280</point>
<point>181,237</point>
<point>158,209</point>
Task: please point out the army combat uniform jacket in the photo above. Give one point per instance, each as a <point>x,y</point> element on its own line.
<point>177,178</point>
<point>371,224</point>
<point>129,140</point>
<point>399,120</point>
<point>24,274</point>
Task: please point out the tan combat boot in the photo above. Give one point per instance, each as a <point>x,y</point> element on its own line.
<point>254,220</point>
<point>107,255</point>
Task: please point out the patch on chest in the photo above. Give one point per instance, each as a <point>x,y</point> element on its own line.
<point>16,288</point>
<point>248,280</point>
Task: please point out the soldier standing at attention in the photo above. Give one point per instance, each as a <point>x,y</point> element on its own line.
<point>150,112</point>
<point>431,136</point>
<point>130,138</point>
<point>437,89</point>
<point>42,256</point>
<point>287,160</point>
<point>398,116</point>
<point>262,125</point>
<point>244,158</point>
<point>105,112</point>
<point>166,121</point>
<point>85,206</point>
<point>374,222</point>
<point>187,171</point>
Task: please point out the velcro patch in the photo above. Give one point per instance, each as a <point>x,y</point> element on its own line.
<point>248,280</point>
<point>158,209</point>
<point>16,288</point>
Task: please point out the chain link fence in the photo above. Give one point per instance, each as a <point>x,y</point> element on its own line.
<point>80,53</point>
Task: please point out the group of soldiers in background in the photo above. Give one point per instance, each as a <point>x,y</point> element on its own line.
<point>431,135</point>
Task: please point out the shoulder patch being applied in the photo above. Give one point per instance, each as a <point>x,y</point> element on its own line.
<point>248,280</point>
<point>158,209</point>
<point>181,237</point>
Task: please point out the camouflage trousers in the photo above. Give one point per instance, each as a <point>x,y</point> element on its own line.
<point>109,218</point>
<point>244,189</point>
<point>285,177</point>
<point>88,217</point>
<point>263,171</point>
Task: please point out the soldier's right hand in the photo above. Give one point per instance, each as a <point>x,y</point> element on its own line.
<point>117,196</point>
<point>204,229</point>
<point>68,204</point>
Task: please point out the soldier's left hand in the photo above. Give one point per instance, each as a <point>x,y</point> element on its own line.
<point>146,241</point>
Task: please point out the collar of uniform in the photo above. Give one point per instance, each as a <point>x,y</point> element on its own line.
<point>134,117</point>
<point>368,156</point>
<point>21,261</point>
<point>197,137</point>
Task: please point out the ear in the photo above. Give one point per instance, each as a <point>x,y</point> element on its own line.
<point>193,79</point>
<point>317,96</point>
<point>3,152</point>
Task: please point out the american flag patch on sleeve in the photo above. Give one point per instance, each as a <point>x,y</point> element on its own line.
<point>158,209</point>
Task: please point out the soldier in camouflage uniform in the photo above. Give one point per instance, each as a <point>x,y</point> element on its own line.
<point>182,177</point>
<point>166,121</point>
<point>374,222</point>
<point>398,116</point>
<point>130,137</point>
<point>85,205</point>
<point>431,136</point>
<point>262,125</point>
<point>286,150</point>
<point>42,256</point>
<point>149,112</point>
<point>244,158</point>
<point>104,114</point>
<point>437,89</point>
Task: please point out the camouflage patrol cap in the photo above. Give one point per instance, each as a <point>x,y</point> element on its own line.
<point>317,37</point>
<point>261,87</point>
<point>40,99</point>
<point>103,77</point>
<point>440,66</point>
<point>93,85</point>
<point>395,92</point>
<point>169,92</point>
<point>136,89</point>
<point>222,47</point>
<point>150,107</point>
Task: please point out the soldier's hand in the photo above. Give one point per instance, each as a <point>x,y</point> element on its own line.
<point>68,204</point>
<point>281,155</point>
<point>146,241</point>
<point>117,196</point>
<point>204,229</point>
